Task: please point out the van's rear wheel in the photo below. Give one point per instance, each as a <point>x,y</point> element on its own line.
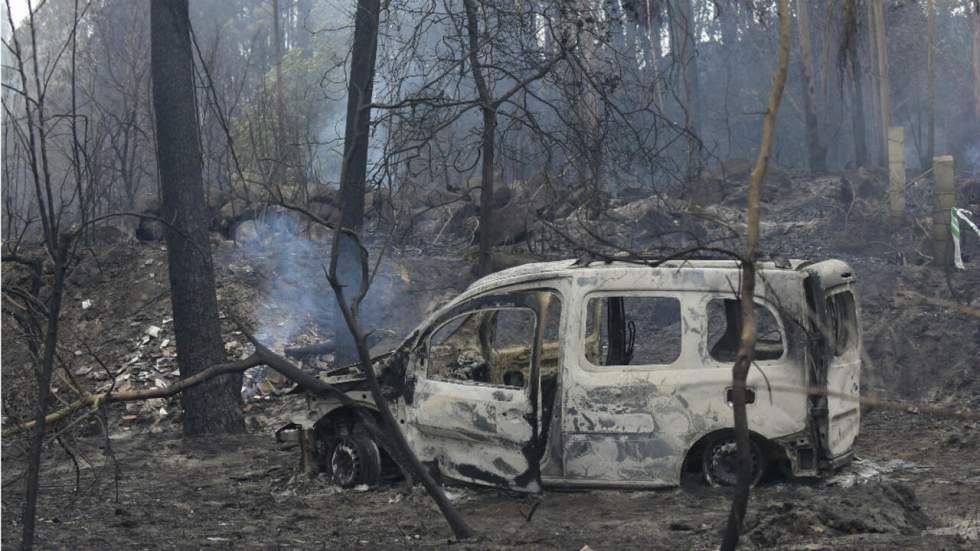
<point>354,460</point>
<point>719,461</point>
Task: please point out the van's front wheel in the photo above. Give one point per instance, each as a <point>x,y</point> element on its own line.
<point>354,460</point>
<point>719,461</point>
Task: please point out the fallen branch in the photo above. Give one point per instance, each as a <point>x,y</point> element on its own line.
<point>101,398</point>
<point>261,356</point>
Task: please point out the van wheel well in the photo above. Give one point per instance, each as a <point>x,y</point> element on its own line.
<point>772,452</point>
<point>339,423</point>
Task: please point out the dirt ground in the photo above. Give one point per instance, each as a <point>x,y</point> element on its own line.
<point>916,484</point>
<point>917,491</point>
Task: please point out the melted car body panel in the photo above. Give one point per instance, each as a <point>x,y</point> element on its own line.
<point>609,374</point>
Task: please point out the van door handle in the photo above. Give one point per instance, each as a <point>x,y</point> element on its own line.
<point>749,395</point>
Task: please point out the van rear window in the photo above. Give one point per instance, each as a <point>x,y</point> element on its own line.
<point>633,330</point>
<point>724,331</point>
<point>842,322</point>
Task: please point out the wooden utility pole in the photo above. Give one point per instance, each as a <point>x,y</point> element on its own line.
<point>896,175</point>
<point>945,199</point>
<point>214,406</point>
<point>816,152</point>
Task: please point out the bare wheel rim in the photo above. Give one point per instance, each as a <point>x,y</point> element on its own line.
<point>721,463</point>
<point>345,463</point>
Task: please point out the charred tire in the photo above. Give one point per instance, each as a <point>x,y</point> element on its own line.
<point>354,459</point>
<point>719,461</point>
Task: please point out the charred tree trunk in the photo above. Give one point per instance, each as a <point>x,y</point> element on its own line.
<point>683,47</point>
<point>858,118</point>
<point>277,37</point>
<point>651,23</point>
<point>729,39</point>
<point>975,17</point>
<point>875,141</point>
<point>353,171</point>
<point>582,95</point>
<point>816,152</point>
<point>884,84</point>
<point>213,407</point>
<point>486,188</point>
<point>746,347</point>
<point>489,111</point>
<point>44,374</point>
<point>850,64</point>
<point>279,171</point>
<point>57,248</point>
<point>930,152</point>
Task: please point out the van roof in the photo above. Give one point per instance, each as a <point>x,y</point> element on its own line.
<point>573,267</point>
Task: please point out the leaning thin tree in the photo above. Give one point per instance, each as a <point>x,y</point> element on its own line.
<point>746,347</point>
<point>348,272</point>
<point>39,315</point>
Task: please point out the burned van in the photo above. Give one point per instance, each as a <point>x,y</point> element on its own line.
<point>612,374</point>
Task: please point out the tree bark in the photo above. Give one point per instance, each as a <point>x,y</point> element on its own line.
<point>853,69</point>
<point>651,26</point>
<point>683,48</point>
<point>975,16</point>
<point>746,347</point>
<point>931,107</point>
<point>859,119</point>
<point>486,188</point>
<point>816,152</point>
<point>875,140</point>
<point>57,248</point>
<point>353,171</point>
<point>277,37</point>
<point>279,171</point>
<point>884,84</point>
<point>44,374</point>
<point>489,111</point>
<point>213,407</point>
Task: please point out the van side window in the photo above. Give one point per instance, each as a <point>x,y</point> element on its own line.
<point>633,330</point>
<point>724,330</point>
<point>842,321</point>
<point>491,346</point>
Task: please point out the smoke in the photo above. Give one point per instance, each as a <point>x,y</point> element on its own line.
<point>296,304</point>
<point>330,137</point>
<point>295,297</point>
